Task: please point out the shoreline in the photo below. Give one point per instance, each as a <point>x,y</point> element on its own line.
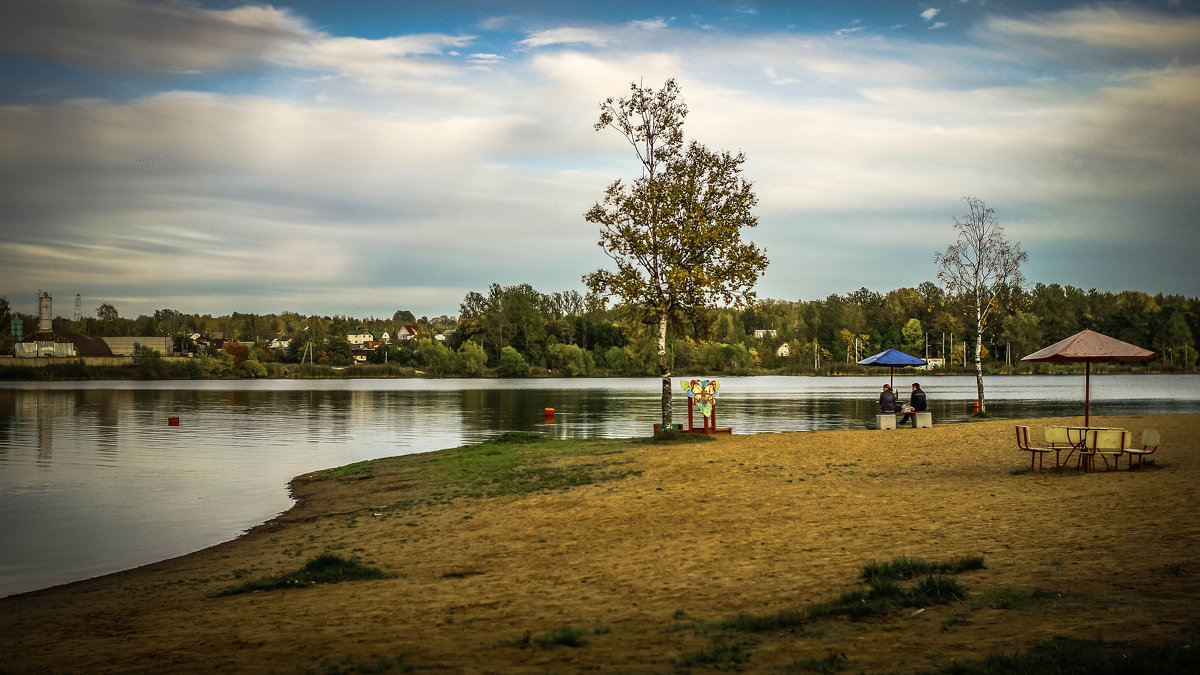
<point>702,531</point>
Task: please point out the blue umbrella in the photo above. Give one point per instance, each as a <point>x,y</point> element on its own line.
<point>892,358</point>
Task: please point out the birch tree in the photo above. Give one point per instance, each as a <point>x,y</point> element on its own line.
<point>674,232</point>
<point>979,265</point>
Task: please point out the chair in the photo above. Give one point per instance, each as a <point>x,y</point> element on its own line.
<point>1106,442</point>
<point>1150,441</point>
<point>1058,439</point>
<point>1035,453</point>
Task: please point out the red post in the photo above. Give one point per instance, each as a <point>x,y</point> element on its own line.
<point>1087,393</point>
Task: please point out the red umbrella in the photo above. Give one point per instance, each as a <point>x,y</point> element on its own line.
<point>1089,346</point>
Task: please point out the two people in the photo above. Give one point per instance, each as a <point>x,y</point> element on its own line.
<point>916,403</point>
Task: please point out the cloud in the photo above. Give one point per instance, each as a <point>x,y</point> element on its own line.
<point>379,62</point>
<point>1100,27</point>
<point>444,175</point>
<point>139,35</point>
<point>561,36</point>
<point>485,59</point>
<point>930,13</point>
<point>650,24</point>
<point>938,24</point>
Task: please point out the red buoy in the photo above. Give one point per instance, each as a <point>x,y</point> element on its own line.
<point>173,421</point>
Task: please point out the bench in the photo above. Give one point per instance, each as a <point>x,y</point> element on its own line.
<point>1150,441</point>
<point>885,421</point>
<point>1105,442</point>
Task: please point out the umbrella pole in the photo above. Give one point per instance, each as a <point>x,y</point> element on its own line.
<point>1087,392</point>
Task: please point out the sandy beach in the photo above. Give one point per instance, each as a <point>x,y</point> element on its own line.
<point>646,564</point>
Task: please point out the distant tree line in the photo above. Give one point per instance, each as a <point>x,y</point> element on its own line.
<point>518,331</point>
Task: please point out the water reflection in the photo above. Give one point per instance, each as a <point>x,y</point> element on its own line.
<point>93,479</point>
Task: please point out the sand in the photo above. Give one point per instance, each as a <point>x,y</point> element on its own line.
<point>744,524</point>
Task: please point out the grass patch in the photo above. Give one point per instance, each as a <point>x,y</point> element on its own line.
<point>509,464</point>
<point>564,636</point>
<point>326,568</point>
<point>1093,657</point>
<point>360,666</point>
<point>1008,598</point>
<point>832,662</point>
<point>929,584</point>
<point>724,657</point>
<point>523,462</point>
<point>364,469</point>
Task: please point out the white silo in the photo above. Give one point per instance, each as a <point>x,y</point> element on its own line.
<point>45,313</point>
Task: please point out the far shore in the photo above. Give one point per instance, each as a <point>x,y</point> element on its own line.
<point>123,368</point>
<point>648,551</point>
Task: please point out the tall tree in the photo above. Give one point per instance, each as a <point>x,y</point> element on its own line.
<point>674,232</point>
<point>980,264</point>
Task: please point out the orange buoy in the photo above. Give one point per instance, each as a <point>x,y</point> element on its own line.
<point>549,412</point>
<point>172,421</point>
<point>975,405</point>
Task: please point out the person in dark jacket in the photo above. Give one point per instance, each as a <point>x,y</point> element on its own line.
<point>917,402</point>
<point>887,400</point>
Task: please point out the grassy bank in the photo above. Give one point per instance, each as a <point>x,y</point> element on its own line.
<point>930,551</point>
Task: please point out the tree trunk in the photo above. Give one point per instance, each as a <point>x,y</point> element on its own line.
<point>979,367</point>
<point>666,374</point>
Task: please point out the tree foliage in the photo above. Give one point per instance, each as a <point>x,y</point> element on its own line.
<point>674,232</point>
<point>980,265</point>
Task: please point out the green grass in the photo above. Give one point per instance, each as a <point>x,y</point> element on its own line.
<point>522,462</point>
<point>832,662</point>
<point>363,469</point>
<point>1068,656</point>
<point>1008,598</point>
<point>565,636</point>
<point>928,584</point>
<point>723,657</point>
<point>511,463</point>
<point>360,666</point>
<point>326,568</point>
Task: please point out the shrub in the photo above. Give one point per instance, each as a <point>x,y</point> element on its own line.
<point>512,364</point>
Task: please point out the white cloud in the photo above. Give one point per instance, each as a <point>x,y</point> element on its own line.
<point>486,59</point>
<point>930,13</point>
<point>463,177</point>
<point>560,36</point>
<point>650,24</point>
<point>1104,27</point>
<point>938,24</point>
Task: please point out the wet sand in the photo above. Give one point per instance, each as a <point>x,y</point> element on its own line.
<point>744,524</point>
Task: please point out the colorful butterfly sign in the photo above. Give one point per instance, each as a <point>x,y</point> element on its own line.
<point>703,393</point>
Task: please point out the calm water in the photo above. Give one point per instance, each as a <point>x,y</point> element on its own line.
<point>93,480</point>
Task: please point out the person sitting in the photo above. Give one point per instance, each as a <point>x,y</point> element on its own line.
<point>887,400</point>
<point>916,404</point>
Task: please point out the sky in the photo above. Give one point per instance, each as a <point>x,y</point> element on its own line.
<point>355,158</point>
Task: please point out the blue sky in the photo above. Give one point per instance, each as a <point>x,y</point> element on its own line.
<point>361,157</point>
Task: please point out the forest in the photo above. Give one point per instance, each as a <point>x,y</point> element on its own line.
<point>519,331</point>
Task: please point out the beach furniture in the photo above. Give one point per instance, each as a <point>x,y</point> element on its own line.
<point>1150,441</point>
<point>1105,443</point>
<point>1057,440</point>
<point>1036,453</point>
<point>923,419</point>
<point>885,421</point>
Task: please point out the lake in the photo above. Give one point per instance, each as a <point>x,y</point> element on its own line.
<point>94,480</point>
